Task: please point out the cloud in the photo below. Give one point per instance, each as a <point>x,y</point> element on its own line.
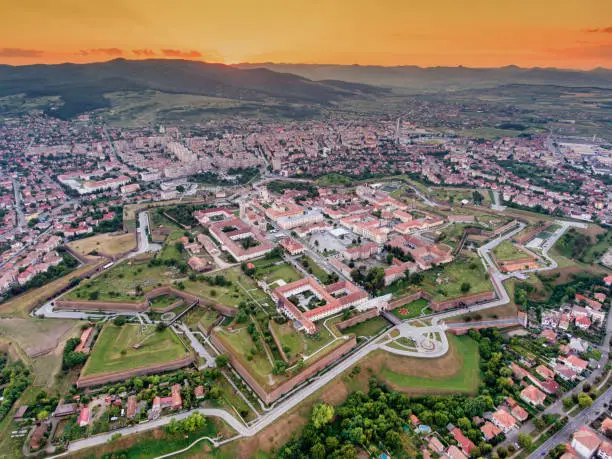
<point>600,30</point>
<point>181,53</point>
<point>20,52</point>
<point>144,52</point>
<point>102,51</point>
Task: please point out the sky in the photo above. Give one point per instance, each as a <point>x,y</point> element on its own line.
<point>473,33</point>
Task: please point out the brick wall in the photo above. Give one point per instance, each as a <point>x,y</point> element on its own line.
<point>101,305</point>
<point>276,392</point>
<point>466,300</point>
<point>98,380</point>
<point>369,314</point>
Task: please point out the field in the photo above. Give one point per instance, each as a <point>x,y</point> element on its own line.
<point>108,244</point>
<point>459,194</point>
<point>273,272</point>
<point>370,327</point>
<point>120,282</point>
<point>507,251</point>
<point>242,288</point>
<point>300,343</point>
<point>315,269</point>
<point>412,309</point>
<point>242,343</point>
<point>451,276</point>
<point>163,301</point>
<point>114,351</point>
<point>457,371</point>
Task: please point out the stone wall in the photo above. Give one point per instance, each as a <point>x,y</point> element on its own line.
<point>278,391</point>
<point>465,300</point>
<point>369,314</point>
<point>86,305</point>
<point>104,378</point>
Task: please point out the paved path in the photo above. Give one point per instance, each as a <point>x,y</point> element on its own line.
<point>195,344</point>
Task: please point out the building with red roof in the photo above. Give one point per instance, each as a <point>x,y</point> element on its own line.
<point>490,431</point>
<point>464,442</point>
<point>502,419</point>
<point>83,419</point>
<point>532,395</point>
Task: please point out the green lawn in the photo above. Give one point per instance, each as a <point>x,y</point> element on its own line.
<point>241,343</point>
<point>370,327</point>
<point>114,351</point>
<point>507,251</point>
<point>163,301</point>
<point>315,269</point>
<point>412,309</point>
<point>299,342</point>
<point>467,268</point>
<point>273,272</point>
<point>119,283</point>
<point>169,250</point>
<point>289,337</point>
<point>465,380</point>
<point>242,288</point>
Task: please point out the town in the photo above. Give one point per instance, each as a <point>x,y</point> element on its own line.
<point>210,280</point>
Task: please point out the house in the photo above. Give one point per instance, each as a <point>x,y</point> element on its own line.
<point>519,413</point>
<point>435,445</point>
<point>606,426</point>
<point>490,431</point>
<point>465,443</point>
<point>198,392</point>
<point>38,436</point>
<point>605,450</point>
<point>545,372</point>
<point>415,421</point>
<point>198,264</point>
<point>131,406</point>
<point>564,322</point>
<point>549,335</point>
<point>532,395</point>
<point>64,409</point>
<point>578,345</point>
<point>20,413</point>
<point>574,363</point>
<point>518,372</point>
<point>455,453</point>
<point>608,280</point>
<point>502,419</point>
<point>585,442</point>
<point>582,322</point>
<point>565,372</point>
<point>177,401</point>
<point>292,246</point>
<point>83,419</point>
<point>155,409</point>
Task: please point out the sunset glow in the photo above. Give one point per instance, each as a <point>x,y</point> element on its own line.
<point>562,33</point>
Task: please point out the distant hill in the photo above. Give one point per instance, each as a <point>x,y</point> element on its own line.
<point>419,79</point>
<point>82,86</point>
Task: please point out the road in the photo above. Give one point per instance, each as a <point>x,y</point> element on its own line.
<point>143,236</point>
<point>582,419</point>
<point>18,204</point>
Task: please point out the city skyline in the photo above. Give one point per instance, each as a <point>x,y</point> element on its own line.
<point>566,34</point>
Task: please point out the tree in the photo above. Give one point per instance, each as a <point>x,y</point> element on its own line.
<point>524,440</point>
<point>317,451</point>
<point>584,400</point>
<point>222,360</point>
<point>322,414</point>
<point>465,287</point>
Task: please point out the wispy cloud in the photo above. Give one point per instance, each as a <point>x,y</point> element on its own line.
<point>144,52</point>
<point>181,53</point>
<point>600,30</point>
<point>20,52</point>
<point>102,51</point>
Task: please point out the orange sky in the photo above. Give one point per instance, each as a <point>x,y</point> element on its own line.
<point>476,33</point>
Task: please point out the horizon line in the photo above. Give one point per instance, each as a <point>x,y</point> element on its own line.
<point>236,64</point>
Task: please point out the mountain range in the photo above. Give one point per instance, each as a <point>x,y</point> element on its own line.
<point>82,87</point>
<point>420,79</point>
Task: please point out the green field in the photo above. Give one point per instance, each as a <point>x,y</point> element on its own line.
<point>370,327</point>
<point>114,351</point>
<point>466,379</point>
<point>119,283</point>
<point>299,342</point>
<point>315,269</point>
<point>451,276</point>
<point>507,251</point>
<point>241,343</point>
<point>413,309</point>
<point>241,289</point>
<point>163,301</point>
<point>277,271</point>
